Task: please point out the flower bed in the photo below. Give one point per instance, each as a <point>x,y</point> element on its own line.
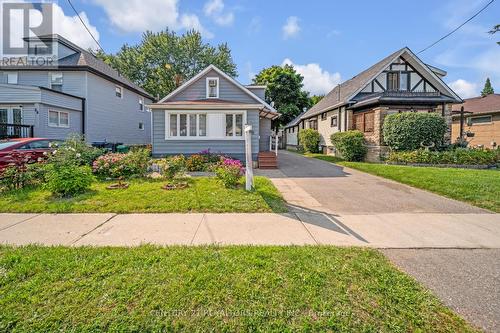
<point>450,158</point>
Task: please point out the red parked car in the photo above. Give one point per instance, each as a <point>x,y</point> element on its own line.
<point>35,147</point>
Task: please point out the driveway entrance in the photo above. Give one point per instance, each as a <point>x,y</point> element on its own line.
<point>314,184</point>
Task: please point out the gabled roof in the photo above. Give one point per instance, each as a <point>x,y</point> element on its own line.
<point>295,120</point>
<point>83,59</point>
<point>477,105</point>
<point>344,92</point>
<point>195,78</point>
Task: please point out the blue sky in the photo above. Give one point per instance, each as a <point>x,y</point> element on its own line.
<point>327,41</point>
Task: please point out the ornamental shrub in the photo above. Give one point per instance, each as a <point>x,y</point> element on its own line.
<point>309,140</point>
<point>409,130</point>
<point>350,145</point>
<point>172,166</point>
<point>196,163</point>
<point>21,171</point>
<point>229,172</point>
<point>459,156</point>
<point>68,179</point>
<point>74,151</point>
<point>116,165</point>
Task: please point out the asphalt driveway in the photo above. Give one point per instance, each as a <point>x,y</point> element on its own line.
<point>314,184</point>
<point>466,280</point>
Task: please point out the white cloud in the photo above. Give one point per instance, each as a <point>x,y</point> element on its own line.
<point>154,15</point>
<point>464,89</point>
<point>291,27</point>
<point>67,26</point>
<point>215,10</point>
<point>72,29</point>
<point>316,80</point>
<point>255,25</point>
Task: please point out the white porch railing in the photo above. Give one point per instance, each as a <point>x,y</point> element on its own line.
<point>274,140</point>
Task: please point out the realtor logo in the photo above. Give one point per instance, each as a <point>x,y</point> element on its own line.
<point>23,23</point>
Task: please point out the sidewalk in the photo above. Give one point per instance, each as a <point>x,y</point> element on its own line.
<point>298,228</point>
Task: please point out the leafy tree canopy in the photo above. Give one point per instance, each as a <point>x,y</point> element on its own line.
<point>163,60</point>
<point>284,89</point>
<point>488,89</point>
<point>315,99</point>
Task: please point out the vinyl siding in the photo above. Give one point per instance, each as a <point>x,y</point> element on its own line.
<point>55,99</point>
<point>235,148</point>
<point>227,90</point>
<point>114,119</point>
<point>46,131</point>
<point>16,94</point>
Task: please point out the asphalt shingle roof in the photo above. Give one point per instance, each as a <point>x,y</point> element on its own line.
<point>476,105</point>
<point>341,93</point>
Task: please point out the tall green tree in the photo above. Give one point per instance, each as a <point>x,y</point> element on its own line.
<point>163,60</point>
<point>488,89</point>
<point>284,89</point>
<point>315,99</point>
<point>494,30</point>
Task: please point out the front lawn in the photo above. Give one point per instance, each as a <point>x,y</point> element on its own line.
<point>477,187</point>
<point>216,289</point>
<point>147,196</point>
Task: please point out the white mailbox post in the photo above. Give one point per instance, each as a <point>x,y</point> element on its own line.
<point>248,158</point>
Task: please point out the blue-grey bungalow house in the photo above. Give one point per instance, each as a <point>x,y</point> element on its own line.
<point>209,112</point>
<point>78,93</point>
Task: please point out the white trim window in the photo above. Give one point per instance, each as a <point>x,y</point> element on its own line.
<point>212,87</point>
<point>56,81</point>
<point>119,91</point>
<point>58,119</point>
<point>141,104</point>
<point>209,125</point>
<point>12,77</point>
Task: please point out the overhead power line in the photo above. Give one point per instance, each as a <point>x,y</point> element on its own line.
<point>88,30</point>
<point>454,30</point>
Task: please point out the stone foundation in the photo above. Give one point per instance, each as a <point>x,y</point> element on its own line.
<point>376,153</point>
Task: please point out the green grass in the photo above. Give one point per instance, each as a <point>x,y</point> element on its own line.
<point>216,289</point>
<point>147,196</point>
<point>477,187</point>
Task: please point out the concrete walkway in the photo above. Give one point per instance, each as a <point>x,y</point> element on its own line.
<point>298,228</point>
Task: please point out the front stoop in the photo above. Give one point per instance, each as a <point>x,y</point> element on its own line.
<point>268,160</point>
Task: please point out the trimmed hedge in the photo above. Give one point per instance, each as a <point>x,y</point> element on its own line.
<point>459,156</point>
<point>406,131</point>
<point>309,140</point>
<point>350,145</point>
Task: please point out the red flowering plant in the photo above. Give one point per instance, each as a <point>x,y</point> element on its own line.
<point>22,170</point>
<point>229,171</point>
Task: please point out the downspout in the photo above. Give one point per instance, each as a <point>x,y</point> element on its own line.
<point>83,117</point>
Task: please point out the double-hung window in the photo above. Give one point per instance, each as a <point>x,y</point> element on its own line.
<point>56,81</point>
<point>58,119</point>
<point>234,125</point>
<point>212,87</point>
<point>205,125</point>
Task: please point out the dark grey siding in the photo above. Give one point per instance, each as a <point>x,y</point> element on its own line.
<point>235,148</point>
<point>115,119</point>
<point>227,91</point>
<point>265,133</point>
